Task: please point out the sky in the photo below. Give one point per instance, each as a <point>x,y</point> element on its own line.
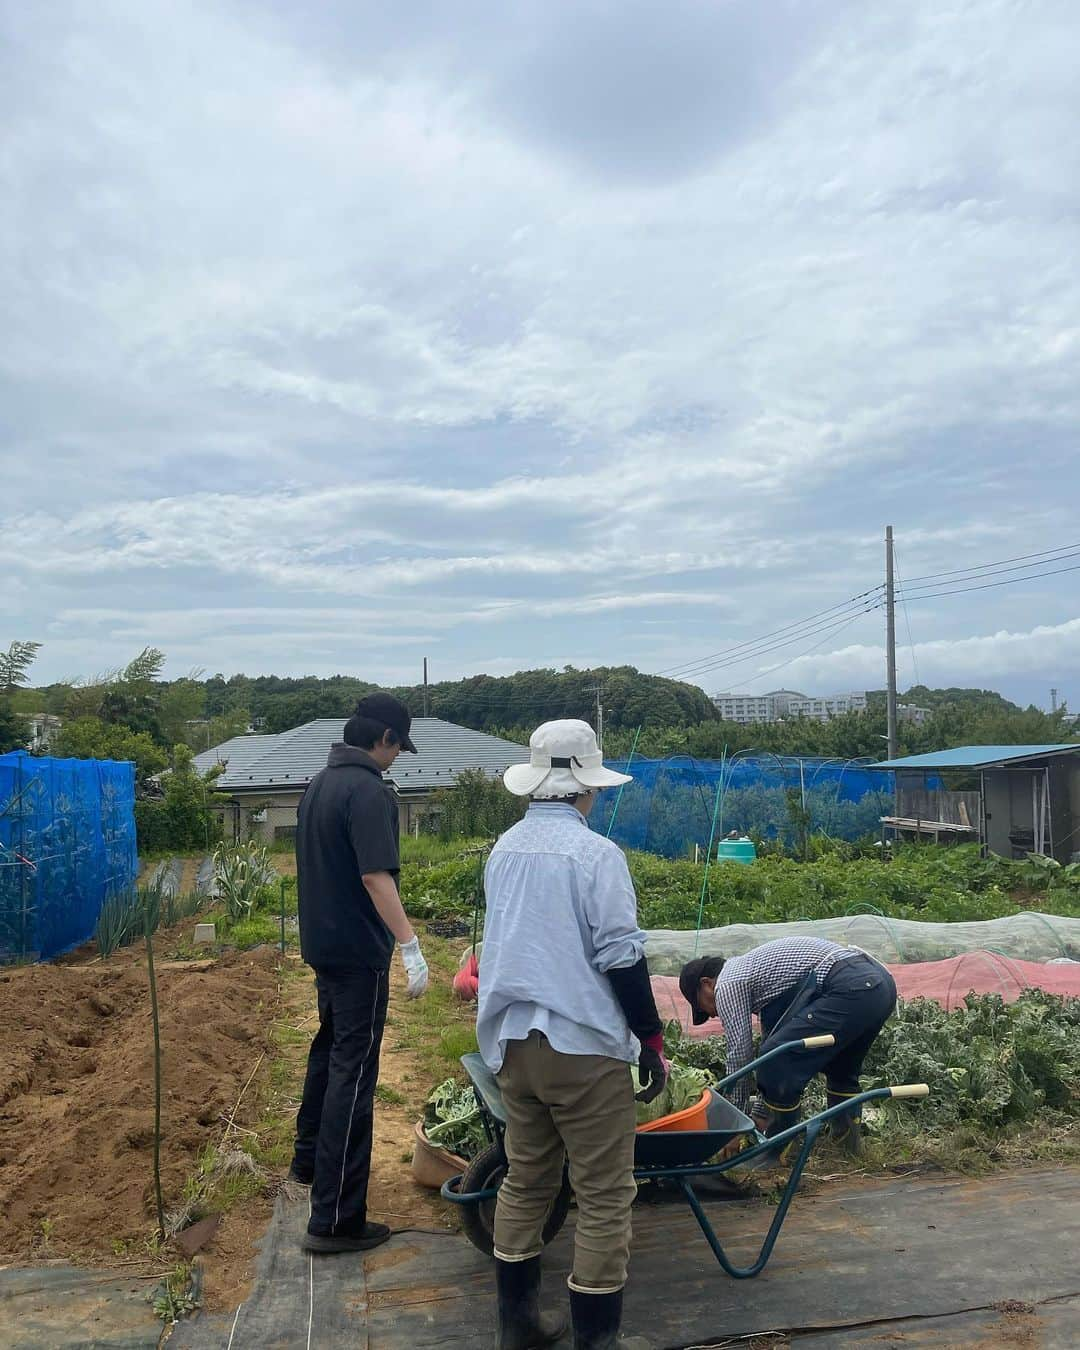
<point>341,334</point>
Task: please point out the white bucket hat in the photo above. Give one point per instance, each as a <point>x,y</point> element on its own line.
<point>564,761</point>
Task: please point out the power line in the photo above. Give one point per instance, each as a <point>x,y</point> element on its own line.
<point>1026,568</point>
<point>810,650</point>
<point>982,567</point>
<point>990,585</point>
<point>825,629</point>
<point>765,637</point>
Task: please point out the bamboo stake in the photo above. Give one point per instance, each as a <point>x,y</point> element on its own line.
<point>157,1071</point>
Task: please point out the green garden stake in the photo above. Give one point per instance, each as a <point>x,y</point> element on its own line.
<point>283,884</point>
<point>708,861</point>
<point>618,797</point>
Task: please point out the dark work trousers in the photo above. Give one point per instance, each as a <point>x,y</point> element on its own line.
<point>853,1004</point>
<point>333,1127</point>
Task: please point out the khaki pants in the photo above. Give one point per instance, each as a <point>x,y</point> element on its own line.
<point>580,1107</point>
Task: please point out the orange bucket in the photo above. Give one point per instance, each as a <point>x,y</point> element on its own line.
<point>690,1118</point>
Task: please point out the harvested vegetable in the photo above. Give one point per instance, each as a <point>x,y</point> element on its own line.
<point>682,1089</point>
<point>452,1120</point>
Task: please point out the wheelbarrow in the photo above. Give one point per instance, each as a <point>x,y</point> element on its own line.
<point>678,1156</point>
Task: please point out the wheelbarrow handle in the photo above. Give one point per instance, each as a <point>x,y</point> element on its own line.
<point>785,1047</point>
<point>910,1090</point>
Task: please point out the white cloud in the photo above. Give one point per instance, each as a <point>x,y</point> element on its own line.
<point>613,353</point>
<point>1051,651</point>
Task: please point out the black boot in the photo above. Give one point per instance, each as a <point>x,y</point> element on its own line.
<point>845,1130</point>
<point>597,1318</point>
<point>522,1326</point>
<point>774,1120</point>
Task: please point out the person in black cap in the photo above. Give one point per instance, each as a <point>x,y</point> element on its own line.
<point>347,867</point>
<point>799,987</point>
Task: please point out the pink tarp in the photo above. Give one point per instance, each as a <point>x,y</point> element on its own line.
<point>945,981</point>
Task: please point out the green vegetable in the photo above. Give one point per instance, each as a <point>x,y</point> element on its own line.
<point>452,1120</point>
<point>682,1089</point>
<point>988,1063</point>
<point>925,883</point>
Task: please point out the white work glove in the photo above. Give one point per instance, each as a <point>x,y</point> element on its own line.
<point>415,967</point>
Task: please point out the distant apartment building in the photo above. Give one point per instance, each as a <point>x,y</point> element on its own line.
<point>911,712</point>
<point>746,708</point>
<point>829,705</point>
<point>782,703</point>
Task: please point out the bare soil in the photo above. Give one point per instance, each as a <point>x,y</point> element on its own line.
<point>76,1092</point>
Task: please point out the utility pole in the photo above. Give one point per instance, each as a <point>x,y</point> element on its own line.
<point>599,716</point>
<point>890,646</point>
<point>425,688</point>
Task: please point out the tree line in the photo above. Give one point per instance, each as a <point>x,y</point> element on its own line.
<point>132,713</point>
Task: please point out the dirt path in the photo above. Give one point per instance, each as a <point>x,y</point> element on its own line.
<point>189,874</point>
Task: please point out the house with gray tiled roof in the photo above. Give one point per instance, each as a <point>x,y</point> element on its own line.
<point>264,777</point>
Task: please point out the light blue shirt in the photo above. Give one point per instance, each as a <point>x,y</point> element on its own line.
<point>561,911</point>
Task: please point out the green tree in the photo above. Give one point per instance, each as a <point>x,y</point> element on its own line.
<point>15,666</point>
<point>13,732</point>
<point>477,807</point>
<point>204,734</point>
<point>183,818</point>
<point>90,738</point>
<point>180,703</point>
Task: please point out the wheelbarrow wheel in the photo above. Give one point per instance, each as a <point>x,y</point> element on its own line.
<point>486,1172</point>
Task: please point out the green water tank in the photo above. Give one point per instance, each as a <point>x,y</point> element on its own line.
<point>736,850</point>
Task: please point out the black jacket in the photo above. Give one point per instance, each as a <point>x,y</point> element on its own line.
<point>347,826</point>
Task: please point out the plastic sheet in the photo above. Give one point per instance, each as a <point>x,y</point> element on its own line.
<point>1026,936</point>
<point>946,982</point>
<point>67,843</point>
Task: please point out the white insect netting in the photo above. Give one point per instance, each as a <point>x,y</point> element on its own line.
<point>1026,936</point>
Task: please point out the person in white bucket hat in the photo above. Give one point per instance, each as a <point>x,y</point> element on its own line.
<point>565,1008</point>
<point>564,761</point>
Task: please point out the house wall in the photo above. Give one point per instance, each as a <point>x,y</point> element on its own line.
<point>280,808</point>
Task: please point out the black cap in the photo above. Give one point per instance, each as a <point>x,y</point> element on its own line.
<point>391,712</point>
<point>690,977</point>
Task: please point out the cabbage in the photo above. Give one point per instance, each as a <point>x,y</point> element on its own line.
<point>682,1089</point>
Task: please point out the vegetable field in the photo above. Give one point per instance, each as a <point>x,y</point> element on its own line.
<point>1004,1077</point>
<point>932,885</point>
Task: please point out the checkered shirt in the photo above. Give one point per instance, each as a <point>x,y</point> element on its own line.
<point>747,983</point>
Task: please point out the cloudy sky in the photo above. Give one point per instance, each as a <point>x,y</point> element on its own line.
<point>339,334</point>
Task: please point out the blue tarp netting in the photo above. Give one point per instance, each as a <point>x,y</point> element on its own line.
<point>669,806</point>
<point>67,844</point>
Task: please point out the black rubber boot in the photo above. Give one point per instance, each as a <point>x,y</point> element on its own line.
<point>521,1325</point>
<point>775,1120</point>
<point>597,1318</point>
<point>845,1130</point>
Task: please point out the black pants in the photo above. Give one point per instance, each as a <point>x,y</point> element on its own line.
<point>333,1127</point>
<point>854,1003</point>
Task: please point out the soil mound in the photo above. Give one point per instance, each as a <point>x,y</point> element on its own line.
<point>76,1090</point>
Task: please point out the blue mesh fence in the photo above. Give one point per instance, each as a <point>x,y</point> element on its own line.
<point>669,806</point>
<point>67,844</point>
